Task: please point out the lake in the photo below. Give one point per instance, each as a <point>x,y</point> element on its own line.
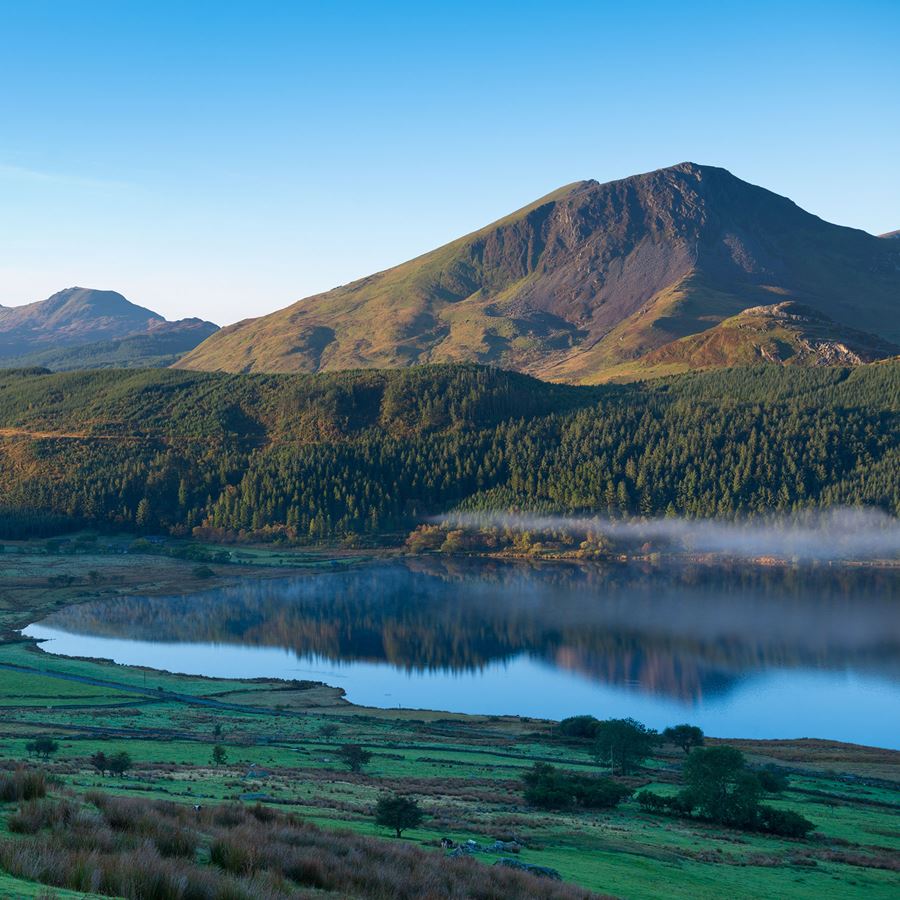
<point>742,651</point>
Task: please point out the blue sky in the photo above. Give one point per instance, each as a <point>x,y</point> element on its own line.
<point>224,159</point>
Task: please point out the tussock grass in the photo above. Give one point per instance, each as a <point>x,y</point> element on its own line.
<point>22,784</point>
<point>154,850</point>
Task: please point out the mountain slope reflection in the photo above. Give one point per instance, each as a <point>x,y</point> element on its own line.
<point>683,632</point>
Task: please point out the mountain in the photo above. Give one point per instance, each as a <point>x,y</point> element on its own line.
<point>892,234</point>
<point>86,328</point>
<point>581,280</point>
<point>785,333</point>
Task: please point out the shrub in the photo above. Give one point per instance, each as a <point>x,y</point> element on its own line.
<point>784,822</point>
<point>34,815</point>
<point>678,804</point>
<point>219,755</point>
<point>263,813</point>
<point>651,801</point>
<point>772,780</point>
<point>100,762</point>
<point>552,788</point>
<point>724,790</point>
<point>233,855</point>
<point>578,727</point>
<point>43,746</point>
<point>119,763</point>
<point>173,841</point>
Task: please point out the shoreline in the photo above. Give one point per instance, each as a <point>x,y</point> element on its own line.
<point>343,706</point>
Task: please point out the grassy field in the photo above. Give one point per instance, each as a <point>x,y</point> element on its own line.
<point>281,741</point>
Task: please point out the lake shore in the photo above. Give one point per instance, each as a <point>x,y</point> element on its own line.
<point>281,742</point>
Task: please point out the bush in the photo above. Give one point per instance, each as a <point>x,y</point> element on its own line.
<point>100,762</point>
<point>784,822</point>
<point>772,780</point>
<point>721,787</point>
<point>119,763</point>
<point>652,802</point>
<point>43,747</point>
<point>174,841</point>
<point>33,815</point>
<point>233,855</point>
<point>578,727</point>
<point>219,755</point>
<point>552,788</point>
<point>677,804</point>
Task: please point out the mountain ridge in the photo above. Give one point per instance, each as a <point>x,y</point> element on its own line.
<point>85,326</point>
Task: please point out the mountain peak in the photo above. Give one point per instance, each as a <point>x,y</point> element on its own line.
<point>78,316</point>
<point>582,280</point>
<point>96,302</point>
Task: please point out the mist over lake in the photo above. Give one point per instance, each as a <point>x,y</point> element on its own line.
<point>740,650</point>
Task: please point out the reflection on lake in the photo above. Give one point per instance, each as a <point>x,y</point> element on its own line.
<point>741,651</point>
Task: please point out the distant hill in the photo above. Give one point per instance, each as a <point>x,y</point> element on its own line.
<point>582,280</point>
<point>86,328</point>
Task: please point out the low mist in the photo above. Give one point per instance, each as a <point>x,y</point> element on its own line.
<point>837,534</point>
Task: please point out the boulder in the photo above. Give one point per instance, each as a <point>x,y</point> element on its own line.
<point>540,871</point>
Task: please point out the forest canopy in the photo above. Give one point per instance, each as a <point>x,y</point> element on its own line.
<point>312,457</point>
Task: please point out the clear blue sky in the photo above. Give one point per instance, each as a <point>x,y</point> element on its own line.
<point>224,159</point>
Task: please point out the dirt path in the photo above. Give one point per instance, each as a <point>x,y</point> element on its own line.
<point>74,435</point>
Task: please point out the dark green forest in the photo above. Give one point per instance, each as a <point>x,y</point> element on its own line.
<point>313,457</point>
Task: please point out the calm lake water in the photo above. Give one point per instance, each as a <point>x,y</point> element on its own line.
<point>741,651</point>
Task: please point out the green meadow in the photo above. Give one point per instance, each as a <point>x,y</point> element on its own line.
<point>281,742</point>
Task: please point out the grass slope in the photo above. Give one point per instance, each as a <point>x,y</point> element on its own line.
<point>787,334</point>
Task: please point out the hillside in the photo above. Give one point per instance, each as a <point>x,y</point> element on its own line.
<point>783,333</point>
<point>309,457</point>
<point>583,279</point>
<point>86,328</point>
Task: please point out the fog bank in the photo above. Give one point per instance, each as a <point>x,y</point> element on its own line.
<point>849,533</point>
